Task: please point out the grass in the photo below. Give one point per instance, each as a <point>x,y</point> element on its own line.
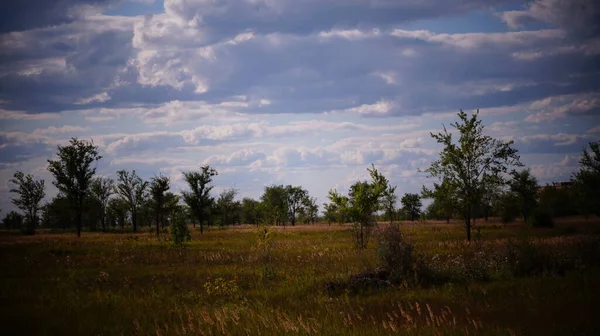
<point>125,284</point>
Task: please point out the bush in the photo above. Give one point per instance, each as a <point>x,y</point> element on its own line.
<point>396,255</point>
<point>180,233</point>
<point>541,219</point>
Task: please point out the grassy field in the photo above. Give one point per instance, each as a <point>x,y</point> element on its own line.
<point>124,284</point>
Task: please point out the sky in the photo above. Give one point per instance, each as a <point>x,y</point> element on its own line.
<point>305,92</point>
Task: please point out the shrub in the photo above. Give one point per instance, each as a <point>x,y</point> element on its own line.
<point>395,254</point>
<point>541,219</point>
<point>180,233</point>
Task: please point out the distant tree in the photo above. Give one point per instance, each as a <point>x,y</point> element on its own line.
<point>587,180</point>
<point>311,208</point>
<point>101,190</point>
<point>467,163</point>
<point>13,220</point>
<point>172,207</point>
<point>389,203</point>
<point>366,199</point>
<point>58,213</point>
<point>330,212</point>
<point>117,211</point>
<point>412,205</point>
<point>295,197</point>
<point>525,186</point>
<point>339,205</point>
<point>198,198</point>
<point>444,200</point>
<point>159,186</point>
<point>73,173</point>
<point>251,211</point>
<point>508,207</point>
<point>275,202</point>
<point>30,194</point>
<point>226,205</point>
<point>132,190</point>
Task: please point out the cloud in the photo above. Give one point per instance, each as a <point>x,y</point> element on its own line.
<point>560,107</point>
<point>61,130</point>
<point>594,130</point>
<point>580,18</point>
<point>19,16</point>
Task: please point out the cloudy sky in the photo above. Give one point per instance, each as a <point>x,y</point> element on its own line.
<point>298,92</point>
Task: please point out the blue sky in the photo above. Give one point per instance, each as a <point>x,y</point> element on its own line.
<point>297,92</point>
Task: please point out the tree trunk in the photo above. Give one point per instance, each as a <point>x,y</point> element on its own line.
<point>157,223</point>
<point>468,227</point>
<point>447,220</point>
<point>134,220</point>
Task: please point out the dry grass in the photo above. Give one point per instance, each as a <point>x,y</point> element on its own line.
<point>122,284</point>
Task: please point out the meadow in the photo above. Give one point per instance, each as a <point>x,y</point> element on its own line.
<point>231,282</point>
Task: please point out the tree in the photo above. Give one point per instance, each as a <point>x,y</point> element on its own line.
<point>339,206</point>
<point>251,211</point>
<point>117,211</point>
<point>469,162</point>
<point>226,205</point>
<point>444,200</point>
<point>295,197</point>
<point>132,190</point>
<point>199,199</point>
<point>311,208</point>
<point>73,173</point>
<point>524,185</point>
<point>172,207</point>
<point>366,199</point>
<point>12,220</point>
<point>587,179</point>
<point>275,204</point>
<point>101,189</point>
<point>30,194</point>
<point>389,203</point>
<point>412,205</point>
<point>159,186</point>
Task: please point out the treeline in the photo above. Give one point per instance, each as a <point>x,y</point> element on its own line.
<point>476,176</point>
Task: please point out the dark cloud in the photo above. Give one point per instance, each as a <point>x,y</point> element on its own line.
<point>19,15</point>
<point>580,18</point>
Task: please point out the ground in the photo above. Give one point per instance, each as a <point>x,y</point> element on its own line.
<point>222,283</point>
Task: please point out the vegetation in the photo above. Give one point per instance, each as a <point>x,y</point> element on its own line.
<point>306,279</point>
<point>73,173</point>
<point>30,194</point>
<point>476,161</point>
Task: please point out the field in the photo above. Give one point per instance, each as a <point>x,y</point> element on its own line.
<point>224,282</point>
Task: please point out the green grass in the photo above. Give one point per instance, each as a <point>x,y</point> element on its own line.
<point>123,284</point>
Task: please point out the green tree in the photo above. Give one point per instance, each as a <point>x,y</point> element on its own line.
<point>101,189</point>
<point>525,186</point>
<point>132,190</point>
<point>411,204</point>
<point>226,205</point>
<point>73,173</point>
<point>444,200</point>
<point>251,211</point>
<point>468,162</point>
<point>117,211</point>
<point>389,203</point>
<point>311,208</point>
<point>508,207</point>
<point>275,203</point>
<point>339,206</point>
<point>30,194</point>
<point>295,197</point>
<point>159,186</point>
<point>366,199</point>
<point>587,179</point>
<point>199,199</point>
